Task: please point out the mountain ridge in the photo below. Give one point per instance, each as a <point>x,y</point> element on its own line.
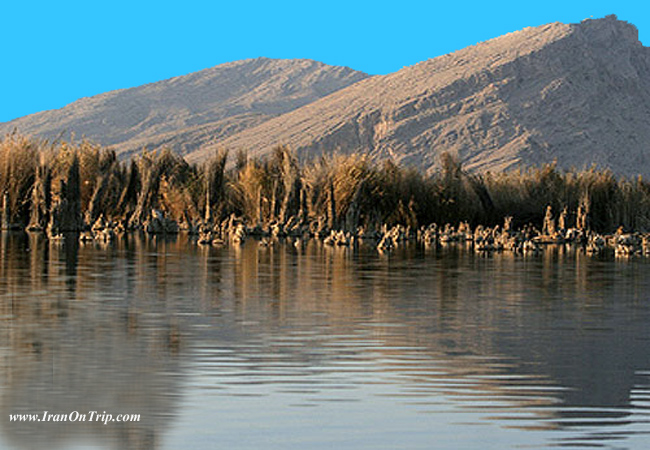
<point>575,94</point>
<point>492,105</point>
<point>241,92</point>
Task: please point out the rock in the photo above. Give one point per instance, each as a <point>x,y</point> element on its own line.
<point>569,93</point>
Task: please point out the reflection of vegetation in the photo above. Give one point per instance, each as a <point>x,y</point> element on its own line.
<point>67,186</point>
<point>80,343</point>
<point>88,328</point>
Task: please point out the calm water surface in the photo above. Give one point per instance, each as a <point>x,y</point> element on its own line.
<point>309,347</point>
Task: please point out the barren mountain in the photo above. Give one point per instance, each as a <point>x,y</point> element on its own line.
<point>578,94</point>
<point>192,110</point>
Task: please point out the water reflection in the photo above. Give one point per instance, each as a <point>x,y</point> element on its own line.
<point>554,342</point>
<point>553,347</point>
<point>79,335</point>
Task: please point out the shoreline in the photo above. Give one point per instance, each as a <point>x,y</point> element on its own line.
<point>82,187</point>
<point>480,240</point>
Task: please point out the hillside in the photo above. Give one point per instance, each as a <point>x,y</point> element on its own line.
<point>578,94</point>
<point>192,110</point>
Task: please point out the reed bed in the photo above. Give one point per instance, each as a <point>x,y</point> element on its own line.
<point>69,186</point>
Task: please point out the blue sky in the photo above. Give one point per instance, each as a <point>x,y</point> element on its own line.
<point>54,53</point>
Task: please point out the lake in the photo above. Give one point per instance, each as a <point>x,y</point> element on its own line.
<point>304,346</point>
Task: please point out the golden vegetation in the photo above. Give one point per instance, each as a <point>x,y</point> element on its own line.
<point>69,186</point>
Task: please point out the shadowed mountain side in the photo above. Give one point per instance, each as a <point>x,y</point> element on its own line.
<point>577,94</point>
<point>228,97</point>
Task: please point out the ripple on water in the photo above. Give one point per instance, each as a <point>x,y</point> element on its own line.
<point>272,348</point>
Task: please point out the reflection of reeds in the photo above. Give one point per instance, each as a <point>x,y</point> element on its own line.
<point>338,191</point>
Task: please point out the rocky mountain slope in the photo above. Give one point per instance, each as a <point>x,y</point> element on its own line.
<point>578,94</point>
<point>193,110</point>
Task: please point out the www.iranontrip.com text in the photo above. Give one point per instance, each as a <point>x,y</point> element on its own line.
<point>75,416</point>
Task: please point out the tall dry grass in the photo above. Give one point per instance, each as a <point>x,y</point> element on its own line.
<point>19,157</point>
<point>337,191</point>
